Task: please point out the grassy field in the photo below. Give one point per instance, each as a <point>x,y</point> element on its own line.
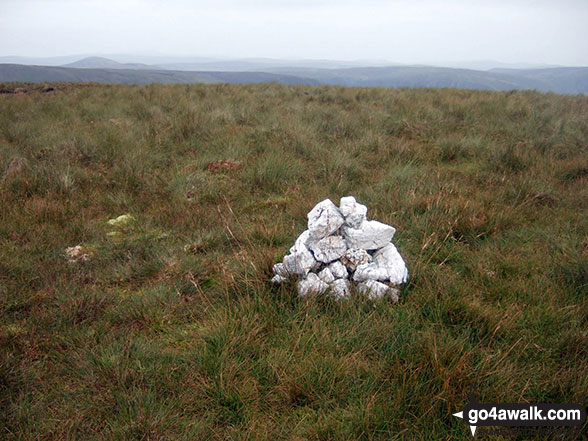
<point>171,330</point>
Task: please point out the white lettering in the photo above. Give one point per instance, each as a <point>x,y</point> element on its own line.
<point>473,416</point>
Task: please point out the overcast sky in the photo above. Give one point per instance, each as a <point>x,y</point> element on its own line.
<point>407,31</point>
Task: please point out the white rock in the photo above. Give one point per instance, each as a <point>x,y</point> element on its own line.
<point>353,212</point>
<point>347,205</point>
<point>354,257</point>
<point>375,290</point>
<point>338,270</point>
<point>303,242</point>
<point>390,259</point>
<point>326,275</point>
<point>77,254</point>
<point>340,288</point>
<point>280,270</point>
<point>371,235</point>
<point>311,285</point>
<point>278,279</point>
<point>370,271</point>
<point>387,266</point>
<point>328,249</point>
<point>324,219</point>
<point>299,263</point>
<point>349,251</point>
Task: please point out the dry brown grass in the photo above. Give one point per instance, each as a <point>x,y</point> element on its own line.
<point>171,329</point>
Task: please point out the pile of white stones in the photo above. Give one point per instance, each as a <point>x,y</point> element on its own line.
<point>342,247</point>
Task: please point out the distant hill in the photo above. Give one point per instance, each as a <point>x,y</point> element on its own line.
<point>267,64</point>
<point>570,80</point>
<point>489,65</point>
<point>260,64</point>
<point>125,61</point>
<point>105,63</point>
<point>40,61</point>
<point>567,80</point>
<point>21,73</point>
<point>414,76</point>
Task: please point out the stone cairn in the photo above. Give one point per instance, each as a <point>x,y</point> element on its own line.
<point>342,247</point>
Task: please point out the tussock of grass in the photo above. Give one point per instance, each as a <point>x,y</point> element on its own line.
<point>171,330</point>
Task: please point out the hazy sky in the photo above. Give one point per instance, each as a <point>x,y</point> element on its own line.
<point>539,31</point>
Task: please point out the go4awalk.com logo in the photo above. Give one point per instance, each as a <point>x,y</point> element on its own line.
<point>522,415</point>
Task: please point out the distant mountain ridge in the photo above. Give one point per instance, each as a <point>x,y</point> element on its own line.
<point>192,62</point>
<point>38,74</point>
<point>174,62</point>
<point>105,63</point>
<point>566,80</point>
<point>569,80</point>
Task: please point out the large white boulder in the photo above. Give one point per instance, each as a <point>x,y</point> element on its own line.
<point>311,284</point>
<point>390,259</point>
<point>353,212</point>
<point>324,219</point>
<point>370,235</point>
<point>329,248</point>
<point>299,263</point>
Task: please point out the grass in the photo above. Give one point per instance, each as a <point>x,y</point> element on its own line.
<point>171,330</point>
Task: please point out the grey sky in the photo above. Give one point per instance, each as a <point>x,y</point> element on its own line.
<point>407,31</point>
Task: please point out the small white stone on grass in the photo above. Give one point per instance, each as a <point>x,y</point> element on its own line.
<point>340,288</point>
<point>353,212</point>
<point>326,275</point>
<point>338,270</point>
<point>77,254</point>
<point>311,285</point>
<point>324,219</point>
<point>328,249</point>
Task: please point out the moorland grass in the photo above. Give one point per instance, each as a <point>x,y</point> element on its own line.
<point>171,329</point>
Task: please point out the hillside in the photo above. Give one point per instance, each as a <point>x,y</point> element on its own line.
<point>572,80</point>
<point>568,80</point>
<point>562,80</point>
<point>166,326</point>
<point>21,73</point>
<point>419,76</point>
<point>106,63</point>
